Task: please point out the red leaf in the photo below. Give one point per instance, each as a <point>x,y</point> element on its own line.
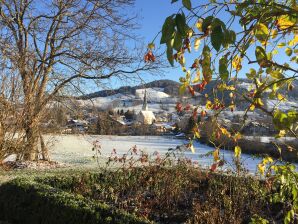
<point>213,167</point>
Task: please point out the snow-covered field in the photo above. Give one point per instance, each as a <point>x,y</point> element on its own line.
<point>153,94</point>
<point>286,105</point>
<point>105,102</point>
<point>77,149</point>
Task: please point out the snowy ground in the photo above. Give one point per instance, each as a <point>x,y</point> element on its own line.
<point>77,149</point>
<point>284,106</point>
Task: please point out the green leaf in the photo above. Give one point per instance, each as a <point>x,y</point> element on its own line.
<point>261,55</point>
<point>282,120</point>
<point>280,45</point>
<point>178,42</point>
<point>252,73</point>
<point>261,32</point>
<point>288,51</point>
<point>206,64</point>
<point>276,74</point>
<point>207,22</point>
<point>217,22</point>
<point>187,4</point>
<point>232,36</point>
<point>170,55</point>
<point>182,89</point>
<point>217,37</point>
<point>223,69</point>
<point>229,37</point>
<point>168,29</point>
<point>182,27</point>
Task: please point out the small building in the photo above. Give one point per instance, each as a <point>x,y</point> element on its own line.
<point>77,125</point>
<point>146,116</point>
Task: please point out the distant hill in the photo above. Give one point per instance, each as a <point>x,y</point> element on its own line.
<point>170,87</point>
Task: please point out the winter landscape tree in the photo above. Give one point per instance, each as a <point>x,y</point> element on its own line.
<point>48,45</point>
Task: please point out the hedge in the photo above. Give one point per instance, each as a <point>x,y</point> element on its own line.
<point>34,202</point>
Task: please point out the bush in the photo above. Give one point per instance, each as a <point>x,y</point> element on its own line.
<point>179,194</point>
<point>27,201</point>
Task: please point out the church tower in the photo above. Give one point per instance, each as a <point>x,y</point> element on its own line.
<point>145,105</point>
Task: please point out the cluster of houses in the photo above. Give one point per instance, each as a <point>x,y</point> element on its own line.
<point>161,122</point>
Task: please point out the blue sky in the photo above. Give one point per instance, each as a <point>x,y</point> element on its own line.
<point>152,14</point>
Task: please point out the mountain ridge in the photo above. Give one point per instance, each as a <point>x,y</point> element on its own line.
<point>170,87</point>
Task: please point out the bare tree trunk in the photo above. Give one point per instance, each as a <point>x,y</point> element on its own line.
<point>31,149</point>
<point>44,149</point>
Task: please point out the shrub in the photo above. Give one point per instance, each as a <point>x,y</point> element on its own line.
<point>27,201</point>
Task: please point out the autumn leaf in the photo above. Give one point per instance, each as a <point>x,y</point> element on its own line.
<point>199,25</point>
<point>261,168</point>
<point>261,56</point>
<point>261,32</point>
<point>208,104</point>
<point>237,151</point>
<point>216,155</point>
<point>197,133</point>
<point>285,22</point>
<point>197,43</point>
<point>288,51</point>
<point>151,46</point>
<point>236,63</point>
<point>192,148</point>
<point>225,132</point>
<point>213,167</point>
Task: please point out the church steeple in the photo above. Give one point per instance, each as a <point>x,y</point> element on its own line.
<point>145,106</point>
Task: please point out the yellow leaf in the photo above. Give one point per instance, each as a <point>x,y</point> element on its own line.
<point>208,104</point>
<point>199,25</point>
<point>267,160</point>
<point>182,89</point>
<point>280,97</point>
<point>196,79</point>
<point>274,34</point>
<point>197,43</point>
<point>285,22</point>
<point>288,51</point>
<point>261,32</point>
<point>280,45</point>
<point>190,33</point>
<point>225,132</point>
<point>293,41</point>
<point>275,51</point>
<point>236,63</point>
<point>237,136</point>
<point>197,134</point>
<point>261,168</point>
<point>259,102</point>
<point>182,60</point>
<point>192,149</point>
<point>237,151</point>
<point>281,133</point>
<point>187,75</point>
<point>216,155</point>
<point>276,74</point>
<point>252,107</point>
<point>151,46</point>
